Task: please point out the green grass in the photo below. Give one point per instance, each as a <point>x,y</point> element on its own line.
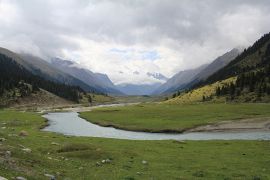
<point>172,117</point>
<point>77,157</point>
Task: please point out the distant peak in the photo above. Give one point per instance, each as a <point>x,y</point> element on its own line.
<point>158,76</point>
<point>62,61</point>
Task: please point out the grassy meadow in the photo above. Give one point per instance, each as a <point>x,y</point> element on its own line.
<point>173,117</point>
<point>97,158</point>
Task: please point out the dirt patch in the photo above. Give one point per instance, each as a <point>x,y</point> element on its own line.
<point>252,124</point>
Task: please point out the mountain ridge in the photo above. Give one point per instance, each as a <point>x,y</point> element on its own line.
<point>187,78</point>
<point>98,80</point>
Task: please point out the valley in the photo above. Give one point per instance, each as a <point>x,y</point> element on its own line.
<point>131,90</point>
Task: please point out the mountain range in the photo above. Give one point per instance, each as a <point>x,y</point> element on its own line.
<point>97,80</point>
<point>187,78</point>
<point>41,68</point>
<point>138,89</point>
<point>246,78</point>
<point>232,74</point>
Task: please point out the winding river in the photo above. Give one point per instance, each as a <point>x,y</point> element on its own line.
<point>69,123</point>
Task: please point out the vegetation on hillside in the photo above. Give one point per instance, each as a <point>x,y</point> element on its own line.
<point>202,94</point>
<point>16,82</point>
<point>251,70</point>
<point>257,82</point>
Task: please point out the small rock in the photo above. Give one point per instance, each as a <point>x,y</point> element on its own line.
<point>52,177</point>
<point>8,153</point>
<point>80,168</point>
<point>2,178</point>
<point>4,127</point>
<point>98,164</point>
<point>105,161</point>
<point>144,162</point>
<point>54,143</point>
<point>20,178</point>
<point>2,139</point>
<point>26,150</point>
<point>139,173</point>
<point>23,133</point>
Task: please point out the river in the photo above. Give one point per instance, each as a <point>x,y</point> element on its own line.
<point>69,123</point>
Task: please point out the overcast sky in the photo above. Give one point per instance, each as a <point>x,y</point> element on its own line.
<point>128,38</point>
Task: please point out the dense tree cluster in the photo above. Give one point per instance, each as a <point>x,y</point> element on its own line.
<point>14,76</point>
<point>254,81</point>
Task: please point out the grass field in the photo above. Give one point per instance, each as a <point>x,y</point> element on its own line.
<point>81,158</point>
<point>172,117</point>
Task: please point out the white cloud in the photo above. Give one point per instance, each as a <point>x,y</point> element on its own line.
<point>128,36</point>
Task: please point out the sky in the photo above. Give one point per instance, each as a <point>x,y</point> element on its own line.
<point>126,39</point>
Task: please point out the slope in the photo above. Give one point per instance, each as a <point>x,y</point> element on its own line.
<point>97,80</point>
<point>43,69</point>
<point>186,79</point>
<point>251,71</point>
<point>179,80</point>
<point>17,82</point>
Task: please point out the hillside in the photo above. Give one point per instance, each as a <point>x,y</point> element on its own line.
<point>178,81</point>
<point>204,93</point>
<point>40,67</point>
<point>186,79</point>
<point>99,81</point>
<point>16,83</point>
<point>253,58</point>
<point>251,70</point>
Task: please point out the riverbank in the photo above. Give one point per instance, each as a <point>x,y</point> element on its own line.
<point>28,152</point>
<point>183,118</point>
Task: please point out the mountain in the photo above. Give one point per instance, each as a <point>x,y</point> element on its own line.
<point>245,79</point>
<point>186,79</point>
<point>99,81</point>
<point>157,76</point>
<point>17,82</point>
<point>217,64</point>
<point>41,68</point>
<point>138,89</point>
<point>180,79</point>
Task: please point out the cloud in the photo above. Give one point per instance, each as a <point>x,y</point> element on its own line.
<point>127,36</point>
